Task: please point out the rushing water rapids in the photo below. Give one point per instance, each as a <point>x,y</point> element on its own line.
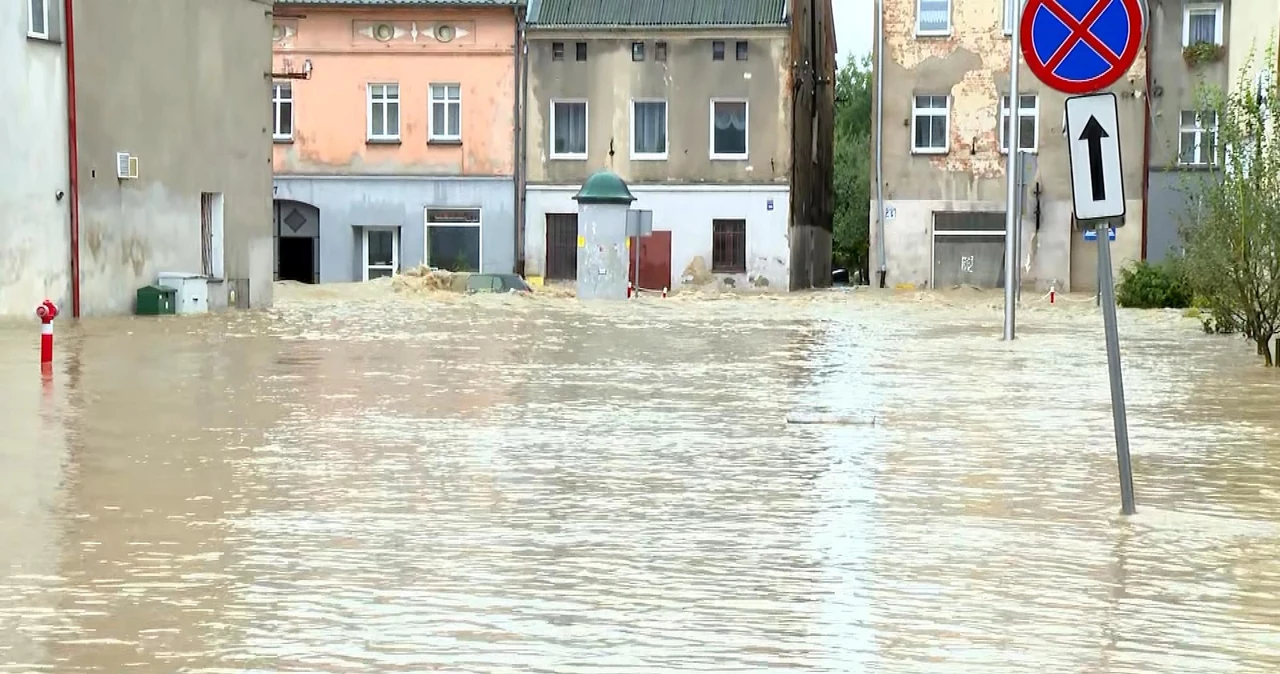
<point>365,482</point>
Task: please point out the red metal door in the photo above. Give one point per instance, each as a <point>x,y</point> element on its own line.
<point>655,261</point>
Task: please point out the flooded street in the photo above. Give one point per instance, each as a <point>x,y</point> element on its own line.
<point>382,483</point>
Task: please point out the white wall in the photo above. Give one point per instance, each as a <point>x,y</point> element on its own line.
<point>687,213</point>
<point>35,257</point>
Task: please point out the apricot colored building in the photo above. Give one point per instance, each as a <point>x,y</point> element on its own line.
<point>395,136</point>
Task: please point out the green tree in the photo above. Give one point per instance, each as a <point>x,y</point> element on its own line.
<point>1232,232</point>
<point>851,234</point>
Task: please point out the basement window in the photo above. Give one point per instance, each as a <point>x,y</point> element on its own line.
<point>581,48</point>
<point>717,51</point>
<point>637,51</point>
<point>741,49</point>
<point>660,51</point>
<point>557,51</point>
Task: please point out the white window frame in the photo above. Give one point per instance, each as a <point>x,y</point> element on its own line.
<point>917,112</point>
<point>426,230</point>
<point>586,130</point>
<point>746,132</point>
<point>1023,111</point>
<point>31,20</point>
<point>1198,131</point>
<point>387,99</point>
<point>934,33</point>
<point>452,106</point>
<point>395,251</point>
<point>1194,8</point>
<point>666,130</point>
<point>277,101</point>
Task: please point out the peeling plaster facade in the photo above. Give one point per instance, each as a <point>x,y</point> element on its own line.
<point>970,65</point>
<point>331,165</point>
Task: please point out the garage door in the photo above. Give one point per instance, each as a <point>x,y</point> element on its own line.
<point>968,249</point>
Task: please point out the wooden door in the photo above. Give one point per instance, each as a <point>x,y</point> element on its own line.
<point>655,261</point>
<point>562,247</point>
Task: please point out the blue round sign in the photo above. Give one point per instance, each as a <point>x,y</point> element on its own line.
<point>1081,46</point>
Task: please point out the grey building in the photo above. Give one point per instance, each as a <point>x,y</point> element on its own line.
<point>692,102</point>
<point>939,193</point>
<point>1188,58</point>
<point>156,160</point>
<point>395,127</point>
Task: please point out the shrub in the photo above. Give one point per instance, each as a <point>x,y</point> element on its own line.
<point>1153,286</point>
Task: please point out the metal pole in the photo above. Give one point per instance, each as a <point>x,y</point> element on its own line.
<point>1011,216</point>
<point>1017,239</point>
<point>636,253</point>
<point>1108,293</point>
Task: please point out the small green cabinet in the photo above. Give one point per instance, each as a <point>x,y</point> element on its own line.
<point>157,300</point>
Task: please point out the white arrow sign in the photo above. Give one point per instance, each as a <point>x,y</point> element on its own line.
<point>1097,178</point>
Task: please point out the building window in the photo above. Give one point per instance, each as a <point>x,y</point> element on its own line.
<point>453,239</point>
<point>648,129</point>
<point>282,110</point>
<point>581,49</point>
<point>557,51</point>
<point>568,129</point>
<point>1201,22</point>
<point>637,51</point>
<point>933,17</point>
<point>1028,122</point>
<point>384,112</point>
<point>38,19</point>
<point>660,51</point>
<point>381,252</point>
<point>929,120</point>
<point>728,246</point>
<point>1198,138</point>
<point>717,51</point>
<point>1008,15</point>
<point>446,112</point>
<point>729,122</point>
<point>741,49</point>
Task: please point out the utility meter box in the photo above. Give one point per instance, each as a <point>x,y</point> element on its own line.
<point>156,301</point>
<point>193,291</point>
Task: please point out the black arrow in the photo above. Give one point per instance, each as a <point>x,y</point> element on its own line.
<point>1094,133</point>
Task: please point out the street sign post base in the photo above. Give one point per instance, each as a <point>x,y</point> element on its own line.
<point>1107,295</point>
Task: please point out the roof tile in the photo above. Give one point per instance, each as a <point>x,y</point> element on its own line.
<point>657,13</point>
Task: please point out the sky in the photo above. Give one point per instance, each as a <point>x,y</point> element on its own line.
<point>855,24</point>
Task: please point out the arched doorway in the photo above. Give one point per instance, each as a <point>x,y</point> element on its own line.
<point>297,230</point>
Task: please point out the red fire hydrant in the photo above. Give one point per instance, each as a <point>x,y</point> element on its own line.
<point>46,312</point>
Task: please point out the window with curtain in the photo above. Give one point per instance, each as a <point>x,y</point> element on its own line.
<point>446,112</point>
<point>569,129</point>
<point>729,129</point>
<point>933,17</point>
<point>1201,23</point>
<point>649,129</point>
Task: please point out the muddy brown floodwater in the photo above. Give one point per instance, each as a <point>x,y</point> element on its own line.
<point>380,483</point>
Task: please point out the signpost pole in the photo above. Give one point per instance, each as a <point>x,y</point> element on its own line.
<point>1108,293</point>
<point>1011,172</point>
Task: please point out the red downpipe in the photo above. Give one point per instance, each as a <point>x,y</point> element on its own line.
<point>73,152</point>
<point>1146,148</point>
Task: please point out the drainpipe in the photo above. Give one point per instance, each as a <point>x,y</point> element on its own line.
<point>1146,146</point>
<point>523,150</point>
<point>880,140</point>
<point>518,138</point>
<point>73,156</point>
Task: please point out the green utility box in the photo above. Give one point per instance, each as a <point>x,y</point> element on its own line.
<point>157,301</point>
